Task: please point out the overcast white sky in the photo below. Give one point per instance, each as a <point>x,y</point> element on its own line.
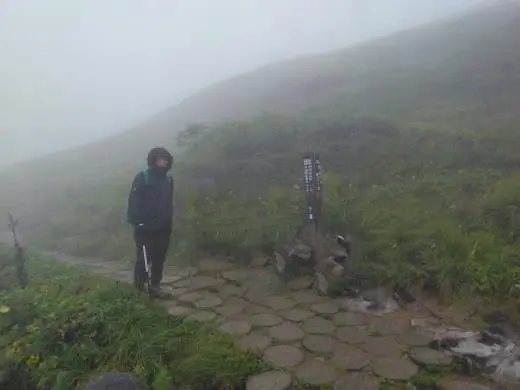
<point>75,70</point>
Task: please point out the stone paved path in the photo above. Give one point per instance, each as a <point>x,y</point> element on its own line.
<point>302,335</point>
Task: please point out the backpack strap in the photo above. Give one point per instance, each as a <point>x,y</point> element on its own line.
<point>146,176</point>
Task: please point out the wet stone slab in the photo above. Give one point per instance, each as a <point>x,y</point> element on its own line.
<point>255,342</point>
<point>394,368</point>
<point>318,325</point>
<point>318,344</point>
<point>382,346</point>
<point>286,332</point>
<point>306,297</point>
<point>236,327</point>
<point>279,303</point>
<point>283,356</point>
<point>203,316</point>
<point>316,372</point>
<point>352,335</point>
<point>298,315</point>
<point>351,358</point>
<point>265,319</point>
<point>455,384</point>
<point>357,381</point>
<point>208,302</point>
<point>230,309</point>
<point>429,357</point>
<point>325,308</point>
<point>415,338</point>
<point>349,319</point>
<point>179,311</point>
<point>272,380</point>
<point>229,290</point>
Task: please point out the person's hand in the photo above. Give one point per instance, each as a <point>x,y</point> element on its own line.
<point>139,234</point>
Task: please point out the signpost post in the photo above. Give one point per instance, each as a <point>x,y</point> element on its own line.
<point>313,188</point>
<point>21,264</point>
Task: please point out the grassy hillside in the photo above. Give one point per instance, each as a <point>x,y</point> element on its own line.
<point>418,134</point>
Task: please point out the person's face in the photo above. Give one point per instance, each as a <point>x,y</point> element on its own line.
<point>161,162</point>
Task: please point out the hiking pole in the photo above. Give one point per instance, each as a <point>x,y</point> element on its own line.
<point>148,273</point>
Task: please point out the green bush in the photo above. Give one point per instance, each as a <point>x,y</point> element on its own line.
<point>68,327</point>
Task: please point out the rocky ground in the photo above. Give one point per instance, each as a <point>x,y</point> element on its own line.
<point>306,338</point>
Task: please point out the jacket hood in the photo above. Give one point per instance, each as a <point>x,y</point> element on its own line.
<point>156,152</point>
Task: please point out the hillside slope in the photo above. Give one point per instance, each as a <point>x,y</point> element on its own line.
<point>428,176</point>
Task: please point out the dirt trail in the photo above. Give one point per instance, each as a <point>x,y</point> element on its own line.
<point>302,335</point>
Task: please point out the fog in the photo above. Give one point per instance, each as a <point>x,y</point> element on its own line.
<point>75,71</point>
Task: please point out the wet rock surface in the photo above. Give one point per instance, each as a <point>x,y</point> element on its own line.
<point>283,356</point>
<point>394,368</point>
<point>317,339</point>
<point>316,372</point>
<point>272,380</point>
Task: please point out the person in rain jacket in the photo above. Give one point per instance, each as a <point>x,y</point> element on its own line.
<point>150,212</point>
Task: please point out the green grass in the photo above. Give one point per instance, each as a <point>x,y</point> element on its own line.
<point>418,134</point>
<point>68,327</point>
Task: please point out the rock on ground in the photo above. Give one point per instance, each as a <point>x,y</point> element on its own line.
<point>394,368</point>
<point>272,380</point>
<point>283,356</point>
<point>453,384</point>
<point>316,372</point>
<point>236,327</point>
<point>116,381</point>
<point>357,382</point>
<point>286,332</point>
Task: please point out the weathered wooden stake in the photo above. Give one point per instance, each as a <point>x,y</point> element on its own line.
<point>21,264</point>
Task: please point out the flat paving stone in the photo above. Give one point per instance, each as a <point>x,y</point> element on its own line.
<point>230,290</point>
<point>253,308</point>
<point>351,358</point>
<point>306,297</point>
<point>303,283</point>
<point>191,297</point>
<point>298,315</point>
<point>283,356</point>
<point>357,381</point>
<point>255,342</point>
<point>382,346</point>
<point>272,380</point>
<point>349,319</point>
<point>265,319</point>
<point>286,332</point>
<point>203,316</point>
<point>395,369</point>
<point>426,356</point>
<point>230,309</point>
<point>415,338</point>
<point>316,372</point>
<point>318,325</point>
<point>208,302</point>
<point>175,292</point>
<point>327,308</point>
<point>456,384</point>
<point>204,282</point>
<point>280,303</point>
<point>352,334</point>
<point>213,265</point>
<point>179,311</point>
<point>236,327</point>
<point>319,344</point>
<point>388,325</point>
<point>237,275</point>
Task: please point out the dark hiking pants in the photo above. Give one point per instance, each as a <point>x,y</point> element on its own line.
<point>156,244</point>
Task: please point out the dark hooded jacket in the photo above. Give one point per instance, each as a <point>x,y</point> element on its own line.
<point>150,203</point>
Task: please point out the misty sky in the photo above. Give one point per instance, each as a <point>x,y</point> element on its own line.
<point>75,70</point>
